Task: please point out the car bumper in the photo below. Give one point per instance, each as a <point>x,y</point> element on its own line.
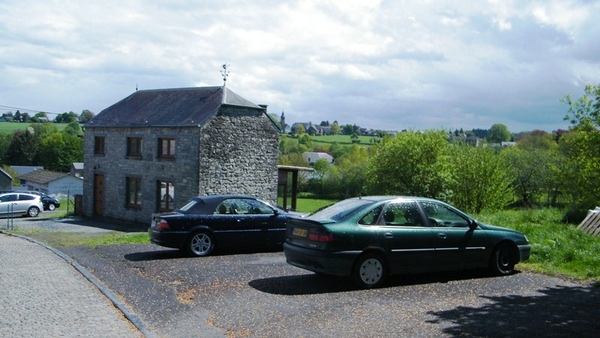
<point>332,263</point>
<point>524,252</point>
<point>167,239</point>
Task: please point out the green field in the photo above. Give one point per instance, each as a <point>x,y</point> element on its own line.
<point>10,127</point>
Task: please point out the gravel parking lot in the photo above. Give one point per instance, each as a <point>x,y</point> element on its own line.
<point>247,294</point>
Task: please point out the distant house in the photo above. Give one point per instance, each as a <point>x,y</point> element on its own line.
<point>76,169</point>
<point>5,180</point>
<point>51,182</point>
<point>155,149</point>
<point>311,129</point>
<point>313,157</point>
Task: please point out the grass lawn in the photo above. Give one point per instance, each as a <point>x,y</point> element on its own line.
<point>10,127</point>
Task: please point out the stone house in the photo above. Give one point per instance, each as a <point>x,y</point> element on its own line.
<point>155,149</point>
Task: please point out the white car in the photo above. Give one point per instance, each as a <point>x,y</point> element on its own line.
<point>20,204</point>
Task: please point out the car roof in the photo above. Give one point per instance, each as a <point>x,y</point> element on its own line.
<point>20,193</point>
<point>219,198</point>
<point>209,203</point>
<point>392,197</point>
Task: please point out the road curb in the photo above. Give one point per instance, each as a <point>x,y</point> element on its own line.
<point>125,310</point>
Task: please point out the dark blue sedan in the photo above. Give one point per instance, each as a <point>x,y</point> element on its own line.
<point>220,221</point>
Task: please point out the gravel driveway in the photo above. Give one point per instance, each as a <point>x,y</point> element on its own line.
<point>246,294</point>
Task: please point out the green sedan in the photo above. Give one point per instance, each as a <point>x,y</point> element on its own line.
<point>371,237</point>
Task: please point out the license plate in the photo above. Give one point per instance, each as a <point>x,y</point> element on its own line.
<point>300,232</point>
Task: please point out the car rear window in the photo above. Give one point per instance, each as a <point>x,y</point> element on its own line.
<point>341,210</point>
<point>26,197</point>
<point>192,207</point>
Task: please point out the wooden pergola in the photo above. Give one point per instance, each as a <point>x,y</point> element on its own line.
<point>284,173</point>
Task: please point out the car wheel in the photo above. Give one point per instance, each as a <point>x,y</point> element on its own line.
<point>51,206</point>
<point>503,260</point>
<point>369,271</point>
<point>200,244</point>
<point>33,211</point>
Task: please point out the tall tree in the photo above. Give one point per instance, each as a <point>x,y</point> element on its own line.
<point>498,133</point>
<point>479,179</point>
<point>335,128</point>
<point>23,148</point>
<point>585,111</point>
<point>87,115</point>
<point>412,163</point>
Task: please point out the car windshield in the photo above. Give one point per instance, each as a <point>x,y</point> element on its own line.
<point>341,210</point>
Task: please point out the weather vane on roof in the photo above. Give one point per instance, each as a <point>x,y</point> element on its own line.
<point>225,73</point>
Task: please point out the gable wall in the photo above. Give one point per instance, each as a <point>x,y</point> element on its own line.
<point>239,153</point>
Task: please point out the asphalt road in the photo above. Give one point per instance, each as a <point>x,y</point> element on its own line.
<point>246,294</point>
<point>259,295</point>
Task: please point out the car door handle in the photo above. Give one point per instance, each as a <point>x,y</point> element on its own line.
<point>441,235</point>
<point>388,235</point>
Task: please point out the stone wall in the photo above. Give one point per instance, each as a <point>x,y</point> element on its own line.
<point>239,153</point>
<point>236,152</point>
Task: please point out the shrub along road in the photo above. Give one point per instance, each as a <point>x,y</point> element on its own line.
<point>259,295</point>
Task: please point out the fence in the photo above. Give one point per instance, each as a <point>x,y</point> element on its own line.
<point>10,223</point>
<point>591,223</point>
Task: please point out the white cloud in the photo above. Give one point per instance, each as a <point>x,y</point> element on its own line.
<point>379,64</point>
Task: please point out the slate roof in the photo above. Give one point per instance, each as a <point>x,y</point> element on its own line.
<point>175,107</point>
<point>5,173</point>
<point>42,176</point>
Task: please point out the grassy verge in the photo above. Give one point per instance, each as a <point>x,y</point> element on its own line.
<point>557,248</point>
<point>61,239</point>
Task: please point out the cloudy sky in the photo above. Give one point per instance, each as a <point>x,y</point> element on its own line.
<point>388,65</point>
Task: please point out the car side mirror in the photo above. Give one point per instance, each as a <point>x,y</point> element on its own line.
<point>472,224</point>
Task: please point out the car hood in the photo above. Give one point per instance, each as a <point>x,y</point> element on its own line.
<point>497,228</point>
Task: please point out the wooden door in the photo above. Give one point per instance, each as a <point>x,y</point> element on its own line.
<point>98,195</point>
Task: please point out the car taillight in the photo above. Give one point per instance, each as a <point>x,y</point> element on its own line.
<point>318,236</point>
<point>162,225</point>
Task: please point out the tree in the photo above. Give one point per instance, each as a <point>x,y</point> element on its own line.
<point>66,117</point>
<point>348,177</point>
<point>41,116</point>
<point>41,130</point>
<point>5,140</point>
<point>316,183</point>
<point>87,115</point>
<point>412,163</point>
<point>299,130</point>
<point>73,128</point>
<point>531,172</point>
<point>293,159</point>
<point>59,150</point>
<point>584,112</point>
<point>498,133</point>
<point>581,173</point>
<point>335,128</point>
<point>306,141</point>
<point>479,179</point>
<point>537,139</point>
<point>348,129</point>
<point>580,168</point>
<point>23,148</point>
